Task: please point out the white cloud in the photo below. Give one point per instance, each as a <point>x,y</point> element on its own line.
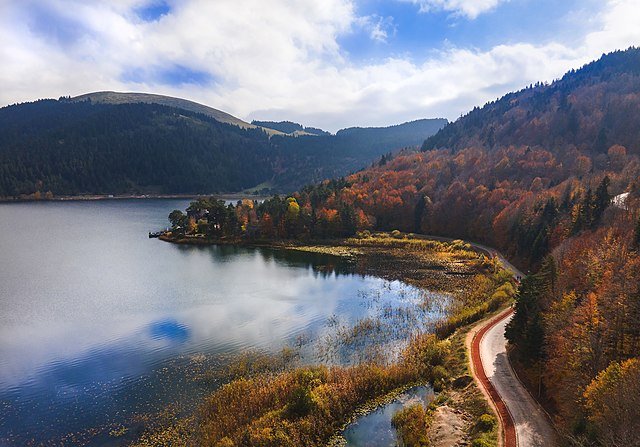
<point>378,28</point>
<point>469,8</point>
<point>274,60</point>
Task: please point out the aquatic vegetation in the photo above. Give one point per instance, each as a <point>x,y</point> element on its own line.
<point>396,344</point>
<point>412,426</point>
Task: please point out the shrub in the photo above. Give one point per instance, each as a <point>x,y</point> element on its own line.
<point>225,442</point>
<point>301,402</point>
<point>439,376</point>
<point>396,234</point>
<point>481,442</point>
<point>411,424</point>
<point>486,423</point>
<point>508,289</point>
<point>424,353</point>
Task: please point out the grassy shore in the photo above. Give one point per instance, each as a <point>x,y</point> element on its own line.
<point>309,405</point>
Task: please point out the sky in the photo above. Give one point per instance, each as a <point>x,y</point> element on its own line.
<point>323,63</point>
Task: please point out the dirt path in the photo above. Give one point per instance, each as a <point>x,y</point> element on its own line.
<point>447,428</point>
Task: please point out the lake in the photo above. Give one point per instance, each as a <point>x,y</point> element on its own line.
<point>100,325</point>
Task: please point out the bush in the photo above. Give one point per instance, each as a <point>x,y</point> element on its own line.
<point>508,289</point>
<point>225,442</point>
<point>439,376</point>
<point>486,423</point>
<point>481,442</point>
<point>425,353</point>
<point>301,402</point>
<point>412,427</point>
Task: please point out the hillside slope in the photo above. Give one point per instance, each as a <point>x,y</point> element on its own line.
<point>110,143</point>
<point>589,109</point>
<point>169,101</point>
<point>533,173</point>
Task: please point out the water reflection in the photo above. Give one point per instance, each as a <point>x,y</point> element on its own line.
<point>170,330</point>
<point>98,322</point>
<point>375,429</point>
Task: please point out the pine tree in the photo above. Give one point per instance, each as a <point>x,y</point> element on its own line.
<point>601,200</point>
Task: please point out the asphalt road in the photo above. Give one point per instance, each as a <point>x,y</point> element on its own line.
<point>532,426</point>
<point>515,406</point>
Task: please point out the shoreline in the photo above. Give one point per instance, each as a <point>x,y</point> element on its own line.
<point>382,255</point>
<point>432,265</point>
<point>97,197</point>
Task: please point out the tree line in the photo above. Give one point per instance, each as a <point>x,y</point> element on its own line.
<point>67,148</point>
<point>543,198</point>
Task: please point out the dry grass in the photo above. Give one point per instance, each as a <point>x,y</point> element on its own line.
<point>308,405</point>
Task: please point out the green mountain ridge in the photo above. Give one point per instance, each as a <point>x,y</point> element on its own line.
<point>109,97</point>
<point>114,143</point>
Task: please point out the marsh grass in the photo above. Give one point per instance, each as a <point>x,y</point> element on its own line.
<point>272,402</point>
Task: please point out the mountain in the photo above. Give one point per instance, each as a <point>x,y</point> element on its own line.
<point>589,109</point>
<point>517,172</point>
<point>117,143</point>
<point>534,174</point>
<point>178,103</point>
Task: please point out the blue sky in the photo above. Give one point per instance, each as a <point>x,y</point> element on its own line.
<point>328,64</point>
<point>414,34</point>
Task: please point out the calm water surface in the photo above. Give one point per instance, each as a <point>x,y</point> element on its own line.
<point>99,323</point>
<point>375,429</point>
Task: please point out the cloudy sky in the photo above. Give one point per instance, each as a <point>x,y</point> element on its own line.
<point>324,63</point>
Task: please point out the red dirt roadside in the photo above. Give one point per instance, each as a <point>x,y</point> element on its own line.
<point>506,421</point>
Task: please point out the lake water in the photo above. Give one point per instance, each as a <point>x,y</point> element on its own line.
<point>100,324</point>
<point>375,429</point>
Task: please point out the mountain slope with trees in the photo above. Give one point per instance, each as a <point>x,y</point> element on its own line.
<point>534,174</point>
<point>107,143</point>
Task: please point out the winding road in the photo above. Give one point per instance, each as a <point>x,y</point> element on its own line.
<point>524,423</point>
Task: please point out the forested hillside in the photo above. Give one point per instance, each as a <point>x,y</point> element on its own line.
<point>533,174</point>
<point>106,145</point>
<point>589,109</point>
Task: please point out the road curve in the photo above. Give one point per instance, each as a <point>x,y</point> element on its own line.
<point>524,423</point>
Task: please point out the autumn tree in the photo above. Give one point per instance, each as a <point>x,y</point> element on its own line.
<point>613,404</point>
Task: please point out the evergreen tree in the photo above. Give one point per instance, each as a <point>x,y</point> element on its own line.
<point>601,200</point>
<point>526,329</point>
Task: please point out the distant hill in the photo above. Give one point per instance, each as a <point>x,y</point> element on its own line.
<point>290,128</point>
<point>411,132</point>
<point>120,143</point>
<point>178,103</point>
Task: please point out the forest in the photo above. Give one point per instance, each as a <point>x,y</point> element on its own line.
<point>533,174</point>
<point>64,147</point>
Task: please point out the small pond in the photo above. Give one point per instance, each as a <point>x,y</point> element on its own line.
<point>375,429</point>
